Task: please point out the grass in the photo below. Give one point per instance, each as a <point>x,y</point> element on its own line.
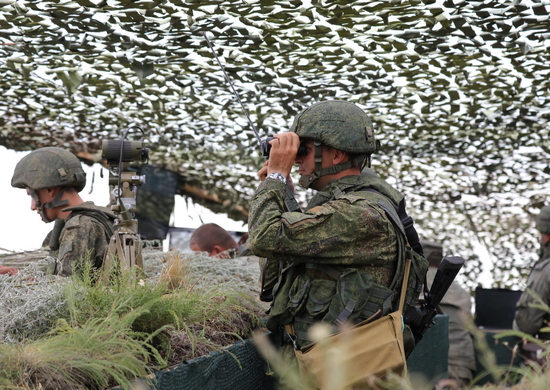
<point>112,334</point>
<point>87,335</point>
<point>95,355</point>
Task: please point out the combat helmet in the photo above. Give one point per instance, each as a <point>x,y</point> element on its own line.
<point>340,125</point>
<point>46,168</point>
<point>543,220</point>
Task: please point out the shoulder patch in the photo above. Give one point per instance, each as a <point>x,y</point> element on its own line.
<point>293,220</point>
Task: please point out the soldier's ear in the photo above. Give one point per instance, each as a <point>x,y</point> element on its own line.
<point>53,191</point>
<point>216,250</point>
<point>339,156</point>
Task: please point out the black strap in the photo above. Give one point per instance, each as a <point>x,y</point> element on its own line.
<point>344,314</point>
<point>59,224</point>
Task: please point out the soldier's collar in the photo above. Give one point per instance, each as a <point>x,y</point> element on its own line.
<point>336,188</point>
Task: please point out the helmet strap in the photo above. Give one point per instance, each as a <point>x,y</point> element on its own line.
<point>306,181</point>
<point>56,202</point>
<point>39,206</point>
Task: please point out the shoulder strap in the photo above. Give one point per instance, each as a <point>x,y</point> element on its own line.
<point>404,285</point>
<point>101,217</point>
<point>406,226</point>
<point>406,221</point>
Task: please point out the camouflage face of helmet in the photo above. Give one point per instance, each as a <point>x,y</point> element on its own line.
<point>543,220</point>
<point>48,168</point>
<point>340,125</point>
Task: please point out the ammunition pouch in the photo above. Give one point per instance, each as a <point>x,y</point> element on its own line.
<point>366,352</point>
<point>310,293</point>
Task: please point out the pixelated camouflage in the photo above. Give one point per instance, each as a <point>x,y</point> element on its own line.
<point>339,124</point>
<point>348,231</point>
<point>83,237</point>
<point>529,319</point>
<point>543,220</point>
<point>49,167</point>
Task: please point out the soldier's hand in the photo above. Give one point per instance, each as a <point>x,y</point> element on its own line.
<point>283,152</point>
<point>262,173</point>
<point>7,270</point>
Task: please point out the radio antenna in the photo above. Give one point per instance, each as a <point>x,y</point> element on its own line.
<point>232,88</point>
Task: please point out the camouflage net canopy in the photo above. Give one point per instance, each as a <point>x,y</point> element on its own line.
<point>457,91</point>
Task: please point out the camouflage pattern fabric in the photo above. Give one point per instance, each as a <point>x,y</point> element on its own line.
<point>82,237</point>
<point>529,319</point>
<point>49,167</point>
<point>348,231</point>
<point>341,227</point>
<point>457,305</point>
<point>269,276</point>
<point>339,124</point>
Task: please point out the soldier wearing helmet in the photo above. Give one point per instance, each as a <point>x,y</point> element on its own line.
<point>342,259</point>
<point>531,319</point>
<point>53,177</point>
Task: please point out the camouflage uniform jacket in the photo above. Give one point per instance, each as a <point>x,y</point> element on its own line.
<point>81,236</point>
<point>458,306</point>
<point>529,319</point>
<point>342,227</point>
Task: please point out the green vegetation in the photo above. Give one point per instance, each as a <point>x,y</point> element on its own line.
<point>78,334</point>
<point>102,335</point>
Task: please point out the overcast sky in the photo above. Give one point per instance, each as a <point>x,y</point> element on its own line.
<point>23,229</point>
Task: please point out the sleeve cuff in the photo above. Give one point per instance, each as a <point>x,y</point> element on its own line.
<point>272,184</point>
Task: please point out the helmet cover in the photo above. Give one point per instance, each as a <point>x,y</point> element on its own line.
<point>338,124</point>
<point>49,167</point>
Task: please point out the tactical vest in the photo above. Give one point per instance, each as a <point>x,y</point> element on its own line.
<point>103,218</point>
<point>106,219</point>
<point>310,293</point>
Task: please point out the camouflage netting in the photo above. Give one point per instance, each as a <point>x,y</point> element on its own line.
<point>31,300</point>
<point>457,91</point>
<point>240,274</point>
